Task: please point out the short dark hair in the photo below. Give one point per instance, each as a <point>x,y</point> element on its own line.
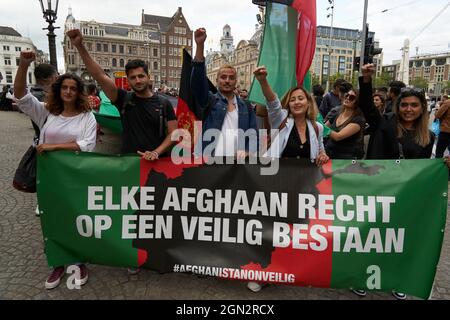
<point>318,90</point>
<point>91,88</point>
<point>135,64</point>
<point>44,71</point>
<point>345,87</point>
<point>383,89</point>
<point>396,87</point>
<point>338,83</point>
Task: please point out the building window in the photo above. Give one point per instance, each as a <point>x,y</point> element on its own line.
<point>170,62</point>
<point>9,78</point>
<point>163,39</point>
<point>163,62</point>
<point>155,52</point>
<point>99,47</point>
<point>113,48</point>
<point>155,65</point>
<point>189,42</point>
<point>17,61</point>
<point>105,47</point>
<point>342,65</point>
<point>7,61</point>
<point>89,46</point>
<point>163,51</point>
<point>114,62</point>
<point>170,40</point>
<point>170,51</point>
<point>175,40</point>
<point>18,49</point>
<point>122,63</point>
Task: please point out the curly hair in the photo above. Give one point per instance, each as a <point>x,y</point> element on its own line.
<point>54,103</point>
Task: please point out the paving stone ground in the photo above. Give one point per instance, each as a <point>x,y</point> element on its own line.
<point>23,266</point>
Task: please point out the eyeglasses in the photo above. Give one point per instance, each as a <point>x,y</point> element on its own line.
<point>350,97</point>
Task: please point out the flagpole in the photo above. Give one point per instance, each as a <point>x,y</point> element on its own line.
<point>363,36</point>
<point>330,50</point>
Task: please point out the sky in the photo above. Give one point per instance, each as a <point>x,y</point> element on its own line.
<point>403,19</point>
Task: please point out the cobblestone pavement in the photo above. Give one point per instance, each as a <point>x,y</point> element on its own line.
<point>23,267</point>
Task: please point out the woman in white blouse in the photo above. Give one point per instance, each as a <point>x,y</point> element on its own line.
<point>66,123</point>
<point>300,135</point>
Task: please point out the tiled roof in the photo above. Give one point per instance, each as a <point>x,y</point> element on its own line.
<point>8,31</point>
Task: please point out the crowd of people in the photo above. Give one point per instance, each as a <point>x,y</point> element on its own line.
<point>319,126</point>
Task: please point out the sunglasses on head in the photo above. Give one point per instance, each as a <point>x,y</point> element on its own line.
<point>412,91</point>
<point>350,97</point>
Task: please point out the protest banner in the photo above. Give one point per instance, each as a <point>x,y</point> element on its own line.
<point>374,225</point>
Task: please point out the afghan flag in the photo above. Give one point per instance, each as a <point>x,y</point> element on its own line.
<point>186,102</point>
<point>288,45</point>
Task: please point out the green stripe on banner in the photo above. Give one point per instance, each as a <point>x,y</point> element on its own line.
<point>278,52</point>
<point>64,197</point>
<point>413,211</point>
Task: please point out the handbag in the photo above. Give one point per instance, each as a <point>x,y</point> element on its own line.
<point>25,176</point>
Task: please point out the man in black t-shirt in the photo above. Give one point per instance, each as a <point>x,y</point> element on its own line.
<point>147,119</point>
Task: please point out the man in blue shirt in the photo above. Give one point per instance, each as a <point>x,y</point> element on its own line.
<point>223,111</point>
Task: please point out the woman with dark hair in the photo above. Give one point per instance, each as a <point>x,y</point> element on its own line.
<point>66,123</point>
<point>380,102</point>
<point>300,135</point>
<point>346,140</point>
<point>403,133</point>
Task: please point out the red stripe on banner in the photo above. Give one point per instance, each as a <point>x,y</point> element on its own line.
<point>142,257</point>
<point>164,166</point>
<point>311,268</point>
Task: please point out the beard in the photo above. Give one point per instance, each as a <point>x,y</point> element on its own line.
<point>143,89</point>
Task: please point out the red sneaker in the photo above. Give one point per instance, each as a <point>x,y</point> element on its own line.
<point>83,275</point>
<point>54,278</point>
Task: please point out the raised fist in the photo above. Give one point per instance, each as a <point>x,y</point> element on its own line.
<point>27,57</point>
<point>368,70</point>
<point>75,37</point>
<point>260,73</point>
<point>200,36</point>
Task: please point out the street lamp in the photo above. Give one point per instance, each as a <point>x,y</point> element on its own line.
<point>50,17</point>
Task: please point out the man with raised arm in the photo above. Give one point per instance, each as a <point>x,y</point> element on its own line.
<point>147,119</point>
<point>223,111</point>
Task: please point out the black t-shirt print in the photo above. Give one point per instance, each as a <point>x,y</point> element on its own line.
<point>142,120</point>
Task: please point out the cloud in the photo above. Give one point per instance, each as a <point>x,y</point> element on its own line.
<point>404,20</point>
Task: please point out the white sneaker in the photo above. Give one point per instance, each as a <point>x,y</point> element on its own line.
<point>37,211</point>
<point>133,271</point>
<point>254,286</point>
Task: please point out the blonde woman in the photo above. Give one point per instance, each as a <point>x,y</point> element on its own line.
<point>300,135</point>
